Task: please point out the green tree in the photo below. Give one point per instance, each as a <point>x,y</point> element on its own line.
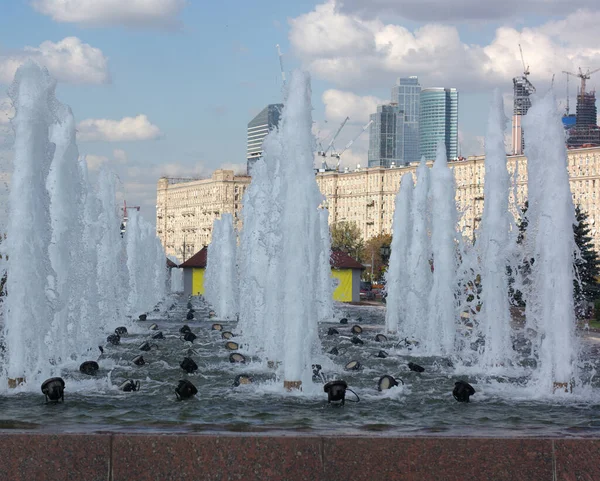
<point>346,237</point>
<point>525,267</point>
<point>3,279</point>
<point>372,254</point>
<point>587,264</point>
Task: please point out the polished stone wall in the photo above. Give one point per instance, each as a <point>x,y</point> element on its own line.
<point>182,457</point>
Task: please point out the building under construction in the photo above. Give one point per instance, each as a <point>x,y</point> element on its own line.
<point>522,89</point>
<point>586,131</point>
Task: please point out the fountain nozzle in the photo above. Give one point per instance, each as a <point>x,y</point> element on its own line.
<point>54,389</point>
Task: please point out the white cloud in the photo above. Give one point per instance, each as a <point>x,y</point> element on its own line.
<point>94,162</point>
<point>69,60</point>
<point>352,158</point>
<point>238,169</point>
<point>471,144</point>
<point>463,10</point>
<point>128,128</point>
<point>137,178</point>
<point>120,156</point>
<point>359,52</point>
<point>129,13</point>
<point>341,104</point>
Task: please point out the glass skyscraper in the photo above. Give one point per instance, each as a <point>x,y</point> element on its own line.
<point>438,121</point>
<point>258,128</point>
<point>386,136</point>
<point>407,94</point>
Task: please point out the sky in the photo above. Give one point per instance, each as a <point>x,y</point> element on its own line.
<point>167,87</point>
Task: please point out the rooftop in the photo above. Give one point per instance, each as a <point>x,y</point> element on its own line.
<point>197,260</point>
<point>341,260</point>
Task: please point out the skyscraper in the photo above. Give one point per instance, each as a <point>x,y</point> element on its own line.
<point>438,121</point>
<point>522,89</point>
<point>386,136</point>
<point>407,94</point>
<point>585,131</point>
<point>258,128</point>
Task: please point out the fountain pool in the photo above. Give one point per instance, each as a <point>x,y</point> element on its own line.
<point>422,407</point>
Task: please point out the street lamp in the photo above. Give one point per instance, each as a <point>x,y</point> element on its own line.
<point>385,251</point>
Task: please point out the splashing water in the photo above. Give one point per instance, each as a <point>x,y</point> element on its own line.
<point>28,308</point>
<point>472,276</point>
<point>290,275</point>
<point>441,326</point>
<point>63,254</point>
<point>494,244</point>
<point>110,251</point>
<point>419,269</point>
<point>550,241</point>
<point>396,276</point>
<point>221,278</point>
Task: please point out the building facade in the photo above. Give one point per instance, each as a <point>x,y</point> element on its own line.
<point>386,137</point>
<point>258,128</point>
<point>438,121</point>
<point>367,196</point>
<point>185,211</point>
<point>407,94</point>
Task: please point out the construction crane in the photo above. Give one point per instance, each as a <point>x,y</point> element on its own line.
<point>136,207</point>
<point>349,144</point>
<point>280,55</point>
<point>323,153</point>
<point>125,217</point>
<point>320,142</point>
<point>583,76</point>
<point>525,68</point>
<point>567,109</point>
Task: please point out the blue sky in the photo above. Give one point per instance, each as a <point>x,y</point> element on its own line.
<point>195,72</point>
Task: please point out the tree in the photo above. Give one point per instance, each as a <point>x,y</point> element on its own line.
<point>525,267</point>
<point>3,279</point>
<point>372,254</point>
<point>346,237</point>
<point>587,264</point>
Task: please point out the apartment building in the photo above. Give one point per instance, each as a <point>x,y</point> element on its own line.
<point>185,210</point>
<point>367,196</point>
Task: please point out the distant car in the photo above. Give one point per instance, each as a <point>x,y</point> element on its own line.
<point>366,291</point>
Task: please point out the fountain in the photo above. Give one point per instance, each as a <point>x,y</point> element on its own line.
<point>221,278</point>
<point>419,256</point>
<point>54,314</point>
<point>233,371</point>
<point>254,256</point>
<point>29,309</point>
<point>479,272</point>
<point>493,244</point>
<point>551,215</point>
<point>439,335</point>
<point>396,312</point>
<point>110,266</point>
<point>290,237</point>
